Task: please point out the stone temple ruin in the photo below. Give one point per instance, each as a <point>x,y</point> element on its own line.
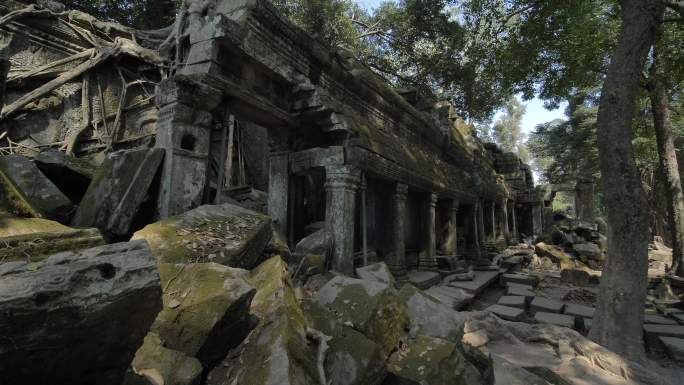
<point>109,134</point>
<point>391,175</point>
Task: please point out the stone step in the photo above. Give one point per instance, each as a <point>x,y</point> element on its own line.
<point>523,279</point>
<point>528,294</point>
<point>579,310</point>
<point>481,281</point>
<point>652,333</point>
<point>423,279</point>
<point>540,304</point>
<point>674,347</point>
<point>658,319</point>
<point>519,285</point>
<point>507,312</point>
<point>452,297</point>
<point>513,301</point>
<point>679,317</point>
<point>564,320</point>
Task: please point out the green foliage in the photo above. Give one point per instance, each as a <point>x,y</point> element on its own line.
<point>507,129</point>
<point>140,14</point>
<point>329,21</point>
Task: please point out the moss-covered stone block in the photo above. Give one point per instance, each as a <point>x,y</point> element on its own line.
<point>160,365</point>
<point>206,309</point>
<point>370,307</point>
<point>351,359</point>
<point>429,316</point>
<point>277,350</point>
<point>431,361</point>
<point>225,234</point>
<point>26,191</point>
<point>35,239</point>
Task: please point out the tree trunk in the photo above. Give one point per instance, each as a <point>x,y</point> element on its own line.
<point>618,320</point>
<point>660,106</point>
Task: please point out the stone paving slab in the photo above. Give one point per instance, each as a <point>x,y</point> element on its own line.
<point>674,347</point>
<point>507,312</point>
<point>579,310</point>
<point>423,279</point>
<point>546,305</point>
<point>513,301</point>
<point>519,285</point>
<point>456,298</point>
<point>528,294</point>
<point>679,317</point>
<point>564,320</point>
<point>521,279</point>
<point>652,333</point>
<point>658,319</point>
<point>482,280</point>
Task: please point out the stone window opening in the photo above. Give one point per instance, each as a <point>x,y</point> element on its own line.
<point>188,142</point>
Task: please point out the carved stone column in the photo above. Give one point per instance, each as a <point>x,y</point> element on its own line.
<point>516,236</point>
<point>480,223</point>
<point>493,215</point>
<point>341,183</point>
<point>476,228</point>
<point>451,242</point>
<point>397,264</point>
<point>504,219</point>
<point>537,219</point>
<point>278,184</point>
<point>183,131</point>
<point>428,260</point>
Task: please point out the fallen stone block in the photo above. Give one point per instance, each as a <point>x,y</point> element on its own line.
<point>351,357</point>
<point>70,174</point>
<point>564,320</point>
<point>160,365</point>
<point>431,361</point>
<point>37,238</point>
<point>205,314</point>
<point>315,243</point>
<point>117,190</point>
<point>658,319</point>
<point>507,312</point>
<point>579,310</point>
<point>225,234</point>
<point>430,317</point>
<point>555,253</point>
<point>26,191</point>
<point>378,272</point>
<point>522,279</point>
<point>277,350</point>
<point>77,317</point>
<point>589,250</point>
<point>370,307</point>
<point>575,277</point>
<point>674,347</point>
<point>546,305</point>
<point>513,301</point>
